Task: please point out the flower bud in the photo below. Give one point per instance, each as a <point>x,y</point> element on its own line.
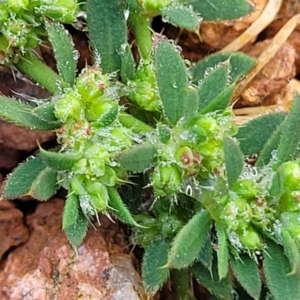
<point>246,188</point>
<point>251,239</point>
<point>98,195</point>
<point>17,5</point>
<point>291,175</point>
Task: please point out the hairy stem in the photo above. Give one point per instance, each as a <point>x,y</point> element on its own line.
<point>39,72</point>
<point>141,27</point>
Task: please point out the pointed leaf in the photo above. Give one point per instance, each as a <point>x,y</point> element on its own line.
<point>154,276</point>
<point>180,283</point>
<point>254,134</point>
<point>240,65</point>
<point>181,16</point>
<point>107,31</point>
<point>220,288</point>
<point>71,211</point>
<point>206,254</point>
<point>277,266</point>
<point>288,147</point>
<point>234,160</point>
<point>45,112</point>
<point>189,241</point>
<point>172,80</point>
<point>138,158</point>
<point>19,182</point>
<point>128,67</point>
<point>247,273</point>
<point>221,102</point>
<point>64,52</point>
<point>118,208</point>
<point>291,250</point>
<point>223,255</point>
<point>45,185</point>
<point>59,161</point>
<point>216,10</point>
<point>77,231</point>
<point>208,89</point>
<point>23,114</point>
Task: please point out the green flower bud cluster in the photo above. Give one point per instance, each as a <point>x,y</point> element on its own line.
<point>144,87</point>
<point>91,128</point>
<point>152,7</point>
<point>22,23</point>
<point>193,148</point>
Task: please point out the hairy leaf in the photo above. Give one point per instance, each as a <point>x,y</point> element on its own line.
<point>181,16</point>
<point>221,102</point>
<point>291,250</point>
<point>216,10</point>
<point>24,115</point>
<point>128,66</point>
<point>64,52</point>
<point>180,283</point>
<point>189,241</point>
<point>240,65</point>
<point>20,181</point>
<point>107,31</point>
<point>77,231</point>
<point>288,147</point>
<point>45,112</point>
<point>154,276</point>
<point>223,255</point>
<point>212,85</point>
<point>220,288</point>
<point>234,160</point>
<point>206,254</point>
<point>45,185</point>
<point>277,266</point>
<point>247,273</point>
<point>59,161</point>
<point>138,158</point>
<point>118,208</point>
<point>191,103</point>
<point>253,135</point>
<point>71,211</point>
<point>172,80</point>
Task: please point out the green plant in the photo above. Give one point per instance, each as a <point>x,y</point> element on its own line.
<point>211,211</point>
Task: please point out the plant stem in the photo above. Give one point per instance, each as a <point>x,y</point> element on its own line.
<point>134,124</point>
<point>39,72</point>
<point>141,26</point>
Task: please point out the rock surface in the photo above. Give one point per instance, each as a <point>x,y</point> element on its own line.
<point>46,267</point>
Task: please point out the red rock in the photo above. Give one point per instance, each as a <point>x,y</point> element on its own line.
<point>46,266</point>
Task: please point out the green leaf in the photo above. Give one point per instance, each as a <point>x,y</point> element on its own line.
<point>277,266</point>
<point>291,250</point>
<point>247,273</point>
<point>221,102</point>
<point>181,16</point>
<point>20,181</point>
<point>212,85</point>
<point>64,52</point>
<point>254,134</point>
<point>134,6</point>
<point>128,66</point>
<point>59,161</point>
<point>288,147</point>
<point>240,65</point>
<point>118,208</point>
<point>216,10</point>
<point>45,185</point>
<point>22,114</point>
<point>71,211</point>
<point>189,241</point>
<point>234,160</point>
<point>223,255</point>
<point>206,254</point>
<point>172,80</point>
<point>138,158</point>
<point>154,276</point>
<point>107,31</point>
<point>191,103</point>
<point>180,283</point>
<point>45,112</point>
<point>77,231</point>
<point>220,288</point>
